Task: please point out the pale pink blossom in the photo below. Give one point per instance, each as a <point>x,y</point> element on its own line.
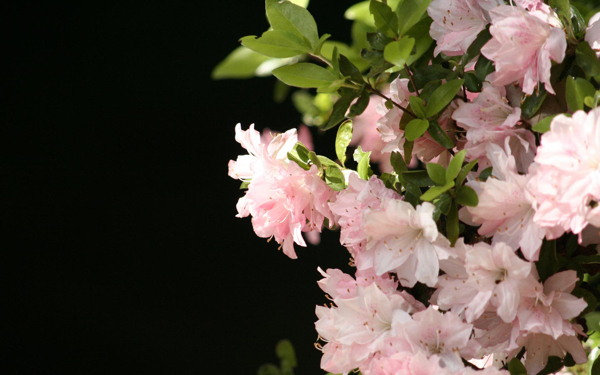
<point>456,24</point>
<point>357,328</point>
<point>539,347</point>
<point>405,240</point>
<point>592,33</point>
<point>522,48</point>
<point>388,125</point>
<point>366,135</point>
<point>505,210</point>
<point>566,176</point>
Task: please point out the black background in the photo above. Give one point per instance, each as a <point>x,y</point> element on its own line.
<point>119,250</point>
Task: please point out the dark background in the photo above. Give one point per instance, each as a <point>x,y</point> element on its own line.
<point>119,249</point>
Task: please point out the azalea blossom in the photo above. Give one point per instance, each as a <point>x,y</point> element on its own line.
<point>389,124</point>
<point>566,181</point>
<point>405,240</point>
<point>522,47</point>
<point>592,33</point>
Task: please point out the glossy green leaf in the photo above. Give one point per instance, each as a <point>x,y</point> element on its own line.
<point>385,19</point>
<point>244,185</point>
<point>399,51</point>
<point>275,43</point>
<point>363,159</point>
<point>437,173</point>
<point>443,204</point>
<point>415,129</point>
<point>443,96</point>
<point>338,114</point>
<point>429,74</point>
<point>472,83</point>
<point>595,369</point>
<point>543,125</point>
<point>315,159</point>
<point>304,75</point>
<point>439,135</point>
<point>285,352</point>
<point>452,224</point>
<point>485,174</point>
<point>335,178</point>
<point>577,90</point>
<point>516,367</point>
<point>408,147</point>
<point>350,70</point>
<point>436,191</point>
<point>464,171</point>
<point>423,41</point>
<point>475,48</point>
<point>342,140</point>
<point>419,178</point>
<point>410,12</point>
<point>533,103</point>
<point>286,16</point>
<point>325,161</point>
<point>343,49</point>
<point>483,67</point>
<point>378,41</point>
<point>412,194</point>
<point>417,106</point>
<point>397,161</point>
<point>586,59</point>
<point>322,40</point>
<point>360,105</point>
<point>455,165</point>
<point>428,89</point>
<point>466,196</point>
<point>547,265</point>
<point>241,63</point>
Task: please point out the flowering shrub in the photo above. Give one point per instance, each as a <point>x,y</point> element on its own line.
<point>475,233</point>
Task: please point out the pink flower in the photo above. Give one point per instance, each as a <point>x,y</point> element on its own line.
<point>283,199</point>
<point>522,47</point>
<point>366,135</point>
<point>592,33</point>
<point>405,240</point>
<point>350,204</point>
<point>456,24</point>
<point>539,347</point>
<point>388,125</point>
<point>505,210</point>
<point>567,172</point>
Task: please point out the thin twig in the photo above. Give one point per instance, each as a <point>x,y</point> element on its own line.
<point>411,79</point>
<point>374,91</point>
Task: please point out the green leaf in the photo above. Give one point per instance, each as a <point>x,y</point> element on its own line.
<point>241,63</point>
<point>327,162</point>
<point>443,96</point>
<point>268,369</point>
<point>285,352</point>
<point>554,365</point>
<point>275,43</point>
<point>475,48</point>
<point>415,129</point>
<point>472,83</point>
<point>483,67</point>
<point>464,171</point>
<point>315,159</point>
<point>577,90</point>
<point>595,370</point>
<point>350,70</point>
<point>360,12</point>
<point>397,161</point>
<point>533,102</point>
<point>423,41</point>
<point>408,147</point>
<point>385,19</point>
<point>452,227</point>
<point>352,54</point>
<point>410,12</point>
<point>419,178</point>
<point>412,194</point>
<point>244,185</point>
<point>516,367</point>
<point>335,178</point>
<point>322,41</point>
<point>417,106</point>
<point>436,191</point>
<point>342,140</point>
<point>443,204</point>
<point>360,105</point>
<point>338,114</point>
<point>466,196</point>
<point>439,135</point>
<point>300,154</point>
<point>362,158</point>
<point>304,75</point>
<point>455,165</point>
<point>428,74</point>
<point>287,16</point>
<point>399,51</point>
<point>586,59</point>
<point>437,173</point>
<point>485,174</point>
<point>543,125</point>
<point>547,265</point>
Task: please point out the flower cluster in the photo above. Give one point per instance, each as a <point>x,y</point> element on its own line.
<point>476,245</point>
